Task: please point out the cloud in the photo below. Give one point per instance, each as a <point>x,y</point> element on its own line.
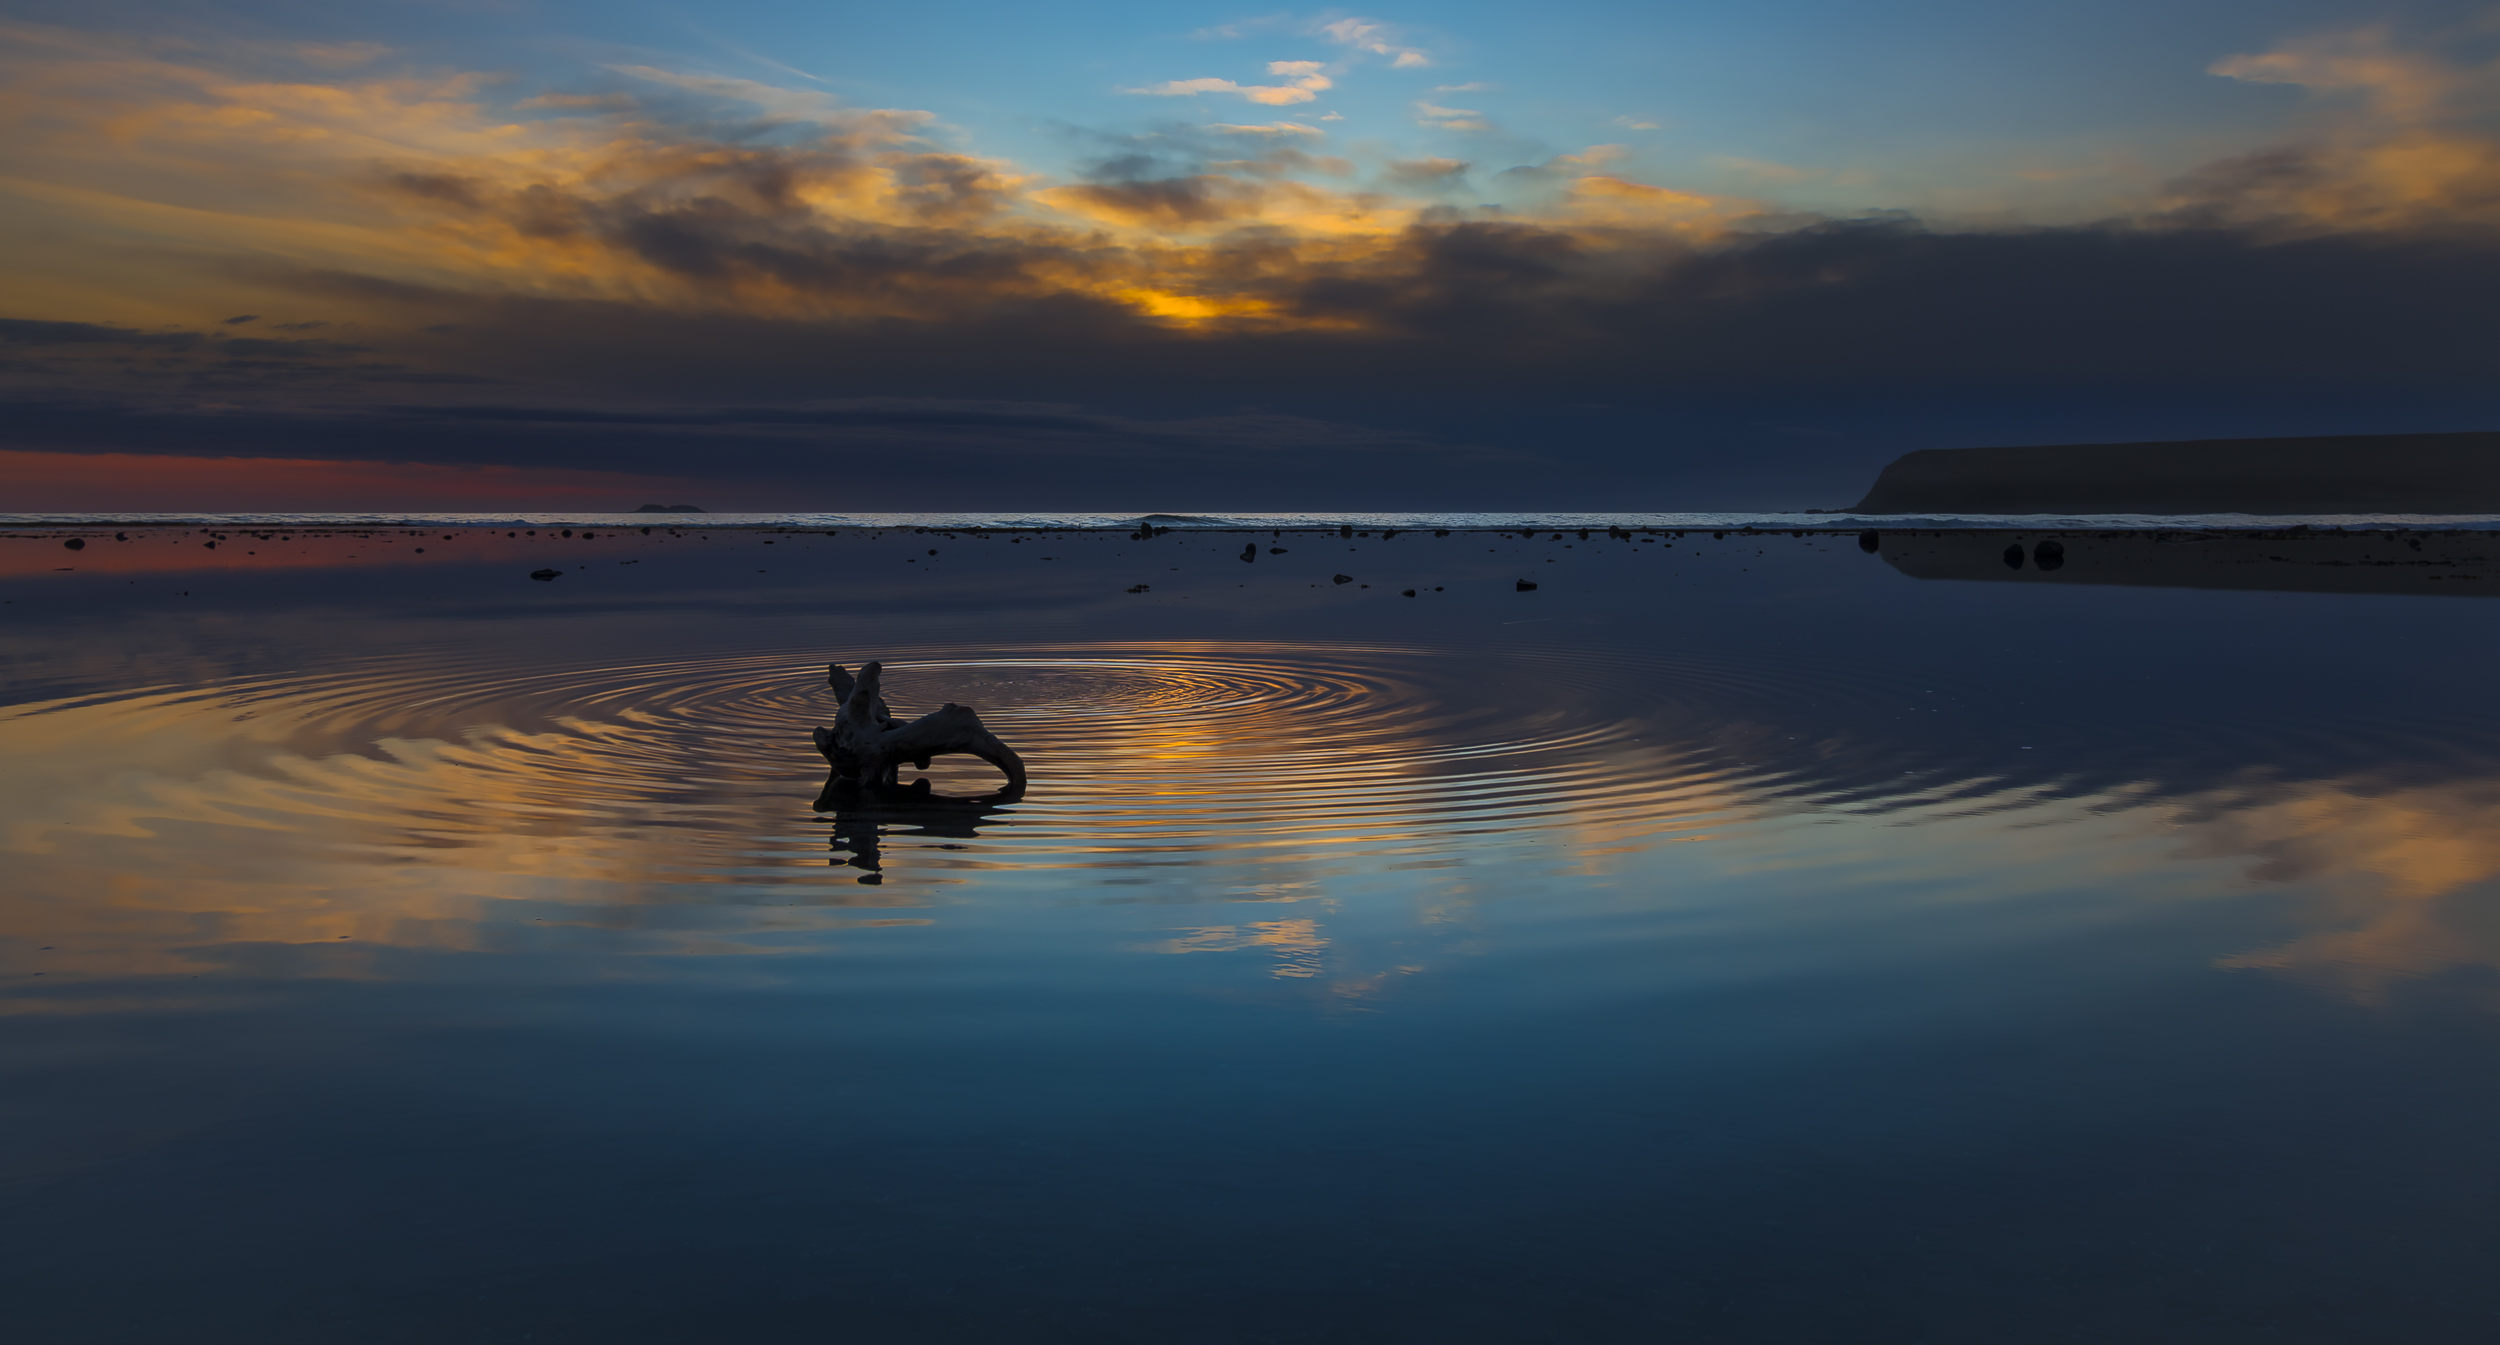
<point>1369,36</point>
<point>1450,118</point>
<point>1637,124</point>
<point>2405,143</point>
<point>1476,87</point>
<point>339,55</point>
<point>578,102</point>
<point>1425,174</point>
<point>25,332</point>
<point>2399,85</point>
<point>1303,84</point>
<point>737,248</point>
<point>91,482</point>
<point>1165,203</point>
<point>1271,129</point>
<point>781,104</point>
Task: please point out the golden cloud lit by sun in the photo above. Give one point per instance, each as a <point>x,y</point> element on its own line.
<point>849,212</point>
<point>154,184</point>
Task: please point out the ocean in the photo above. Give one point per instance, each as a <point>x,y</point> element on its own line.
<point>1733,928</point>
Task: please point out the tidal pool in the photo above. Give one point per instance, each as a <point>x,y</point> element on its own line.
<point>1735,938</point>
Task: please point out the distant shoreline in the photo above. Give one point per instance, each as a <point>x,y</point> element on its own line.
<point>2412,474</point>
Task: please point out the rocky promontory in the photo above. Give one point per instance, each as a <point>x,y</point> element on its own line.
<point>2331,474</point>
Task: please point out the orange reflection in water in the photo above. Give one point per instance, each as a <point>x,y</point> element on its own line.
<point>313,824</point>
<point>659,808</point>
<point>2404,873</point>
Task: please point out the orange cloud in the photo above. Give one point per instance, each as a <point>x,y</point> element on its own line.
<point>818,211</point>
<point>1303,83</point>
<point>2405,145</point>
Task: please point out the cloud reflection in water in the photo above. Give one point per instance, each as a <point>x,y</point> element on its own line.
<point>458,804</point>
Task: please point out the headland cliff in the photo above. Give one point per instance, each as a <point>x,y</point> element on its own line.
<point>2335,474</point>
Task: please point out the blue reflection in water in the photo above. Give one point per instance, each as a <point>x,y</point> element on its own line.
<point>1743,942</point>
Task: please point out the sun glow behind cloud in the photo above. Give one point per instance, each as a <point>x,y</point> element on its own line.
<point>157,189</point>
<point>808,208</point>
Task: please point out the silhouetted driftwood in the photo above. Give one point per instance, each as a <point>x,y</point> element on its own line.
<point>867,747</point>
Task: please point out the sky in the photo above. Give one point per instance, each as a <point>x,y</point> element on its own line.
<point>506,254</point>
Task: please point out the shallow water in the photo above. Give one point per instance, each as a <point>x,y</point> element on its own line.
<point>1729,939</point>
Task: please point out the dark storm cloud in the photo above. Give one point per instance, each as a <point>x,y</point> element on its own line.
<point>778,299</point>
<point>903,435</point>
<point>1530,307</point>
<point>22,332</point>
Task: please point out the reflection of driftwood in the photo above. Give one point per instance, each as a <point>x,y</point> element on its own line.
<point>867,748</point>
<point>863,818</point>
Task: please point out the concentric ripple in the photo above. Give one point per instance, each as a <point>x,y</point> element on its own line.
<point>698,769</point>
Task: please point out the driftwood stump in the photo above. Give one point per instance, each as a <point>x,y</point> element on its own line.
<point>867,748</point>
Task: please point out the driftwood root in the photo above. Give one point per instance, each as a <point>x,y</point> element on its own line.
<point>866,747</point>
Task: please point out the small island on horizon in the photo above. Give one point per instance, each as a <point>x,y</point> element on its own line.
<point>2326,474</point>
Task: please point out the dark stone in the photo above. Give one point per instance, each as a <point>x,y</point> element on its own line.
<point>543,575</point>
<point>1440,532</point>
<point>1345,579</point>
<point>1406,593</point>
<point>1870,541</point>
<point>2049,554</point>
<point>2014,556</point>
<point>1527,586</point>
<point>1345,530</point>
<point>1249,553</point>
<point>76,544</point>
<point>1137,588</point>
<point>1275,551</point>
